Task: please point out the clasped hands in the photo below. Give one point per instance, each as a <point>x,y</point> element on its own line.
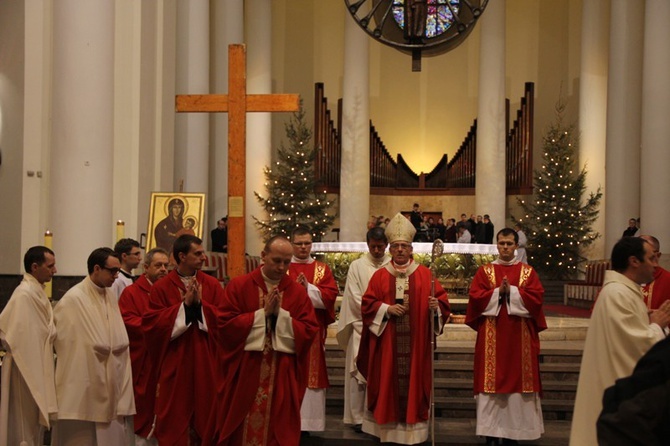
<point>271,306</point>
<point>193,294</point>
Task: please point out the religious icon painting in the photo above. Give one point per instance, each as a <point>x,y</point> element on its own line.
<point>173,214</point>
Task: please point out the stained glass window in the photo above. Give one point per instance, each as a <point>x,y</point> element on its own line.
<point>439,17</point>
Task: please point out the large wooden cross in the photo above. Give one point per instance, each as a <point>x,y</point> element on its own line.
<point>237,103</point>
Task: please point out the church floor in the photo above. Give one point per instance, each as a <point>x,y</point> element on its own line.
<point>447,432</point>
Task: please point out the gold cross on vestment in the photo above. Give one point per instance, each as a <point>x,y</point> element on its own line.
<point>237,103</point>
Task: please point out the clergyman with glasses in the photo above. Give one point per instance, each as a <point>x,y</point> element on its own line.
<point>130,256</point>
<point>94,385</point>
<point>396,345</point>
<point>322,290</point>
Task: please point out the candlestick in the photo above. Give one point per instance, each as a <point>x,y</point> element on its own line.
<point>120,230</point>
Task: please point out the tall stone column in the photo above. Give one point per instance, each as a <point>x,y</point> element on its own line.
<point>593,105</point>
<point>354,202</point>
<point>655,156</point>
<point>624,101</point>
<point>228,29</point>
<point>490,193</point>
<point>82,131</point>
<point>259,125</point>
<point>192,129</point>
<point>36,116</point>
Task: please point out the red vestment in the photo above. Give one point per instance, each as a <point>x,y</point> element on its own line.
<point>658,289</point>
<point>260,403</point>
<point>319,275</point>
<point>378,356</point>
<point>134,303</point>
<point>185,365</point>
<point>508,346</point>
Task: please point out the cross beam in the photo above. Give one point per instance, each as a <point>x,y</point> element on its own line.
<point>237,103</point>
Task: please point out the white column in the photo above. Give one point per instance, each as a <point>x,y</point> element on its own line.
<point>228,28</point>
<point>655,156</point>
<point>593,105</point>
<point>36,117</point>
<point>82,131</point>
<point>490,193</point>
<point>624,97</point>
<point>354,202</point>
<point>192,129</point>
<point>259,125</point>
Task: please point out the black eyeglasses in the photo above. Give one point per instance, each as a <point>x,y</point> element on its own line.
<point>114,271</point>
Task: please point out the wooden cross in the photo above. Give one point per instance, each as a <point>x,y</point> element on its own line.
<point>237,103</point>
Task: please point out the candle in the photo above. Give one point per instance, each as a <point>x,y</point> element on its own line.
<point>120,230</point>
<point>48,242</point>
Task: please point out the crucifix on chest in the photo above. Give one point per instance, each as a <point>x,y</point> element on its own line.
<point>237,103</point>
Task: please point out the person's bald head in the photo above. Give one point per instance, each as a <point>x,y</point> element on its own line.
<point>276,256</point>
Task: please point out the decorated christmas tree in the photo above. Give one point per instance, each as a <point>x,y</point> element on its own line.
<point>558,222</point>
<point>292,199</point>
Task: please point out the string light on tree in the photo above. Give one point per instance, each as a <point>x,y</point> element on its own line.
<point>293,199</point>
<point>560,220</point>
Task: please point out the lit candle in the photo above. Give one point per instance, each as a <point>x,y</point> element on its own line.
<point>48,242</point>
<point>120,230</point>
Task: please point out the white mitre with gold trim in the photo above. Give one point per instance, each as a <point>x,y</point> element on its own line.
<point>400,229</point>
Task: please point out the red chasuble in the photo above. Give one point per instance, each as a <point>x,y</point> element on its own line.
<point>397,363</point>
<point>658,291</point>
<point>318,274</point>
<point>134,303</point>
<point>185,365</point>
<point>507,347</point>
<point>260,403</point>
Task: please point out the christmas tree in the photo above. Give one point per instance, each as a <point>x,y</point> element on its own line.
<point>291,188</point>
<point>558,223</point>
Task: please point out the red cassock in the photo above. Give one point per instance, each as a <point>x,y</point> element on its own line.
<point>134,303</point>
<point>389,395</point>
<point>657,291</point>
<point>184,366</point>
<point>319,275</point>
<point>508,347</point>
<point>260,403</point>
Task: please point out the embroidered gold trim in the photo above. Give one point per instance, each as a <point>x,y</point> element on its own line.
<point>319,272</point>
<point>524,275</point>
<point>491,274</point>
<point>490,355</point>
<point>526,360</point>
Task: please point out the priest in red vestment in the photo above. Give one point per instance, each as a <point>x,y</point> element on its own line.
<point>396,345</point>
<point>505,308</point>
<point>265,328</point>
<point>658,290</point>
<point>322,290</point>
<point>134,303</point>
<point>181,351</point>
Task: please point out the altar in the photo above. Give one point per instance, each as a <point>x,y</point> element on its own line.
<point>455,268</point>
